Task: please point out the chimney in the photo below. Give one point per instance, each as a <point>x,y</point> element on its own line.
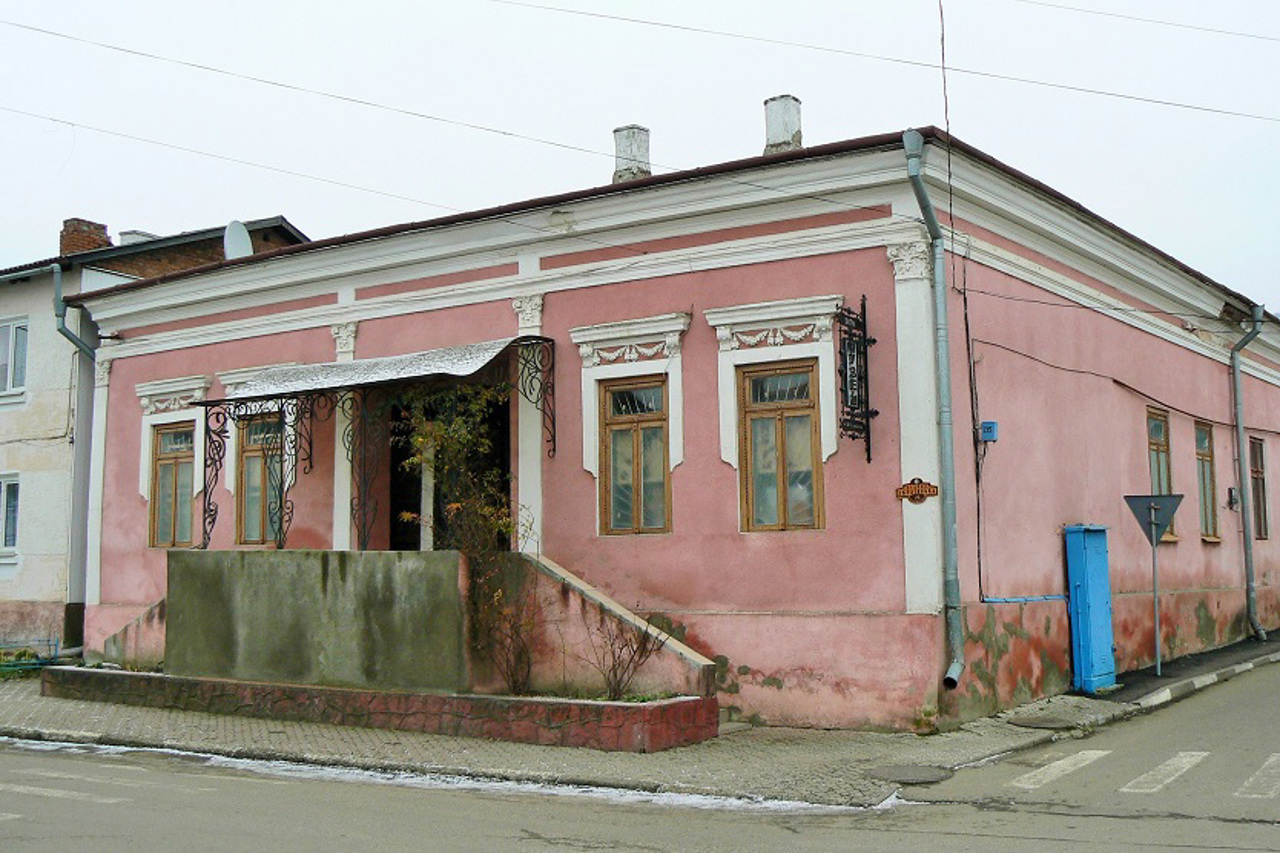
<point>631,147</point>
<point>782,124</point>
<point>81,235</point>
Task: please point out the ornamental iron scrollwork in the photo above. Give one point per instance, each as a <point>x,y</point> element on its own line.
<point>537,369</point>
<point>855,394</point>
<point>365,437</point>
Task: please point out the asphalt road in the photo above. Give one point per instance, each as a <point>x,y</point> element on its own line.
<point>1201,774</point>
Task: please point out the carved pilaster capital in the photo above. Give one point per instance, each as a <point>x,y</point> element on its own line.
<point>528,313</point>
<point>910,260</point>
<point>344,337</point>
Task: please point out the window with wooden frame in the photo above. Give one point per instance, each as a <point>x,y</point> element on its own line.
<point>635,489</point>
<point>1258,487</point>
<point>13,355</point>
<point>1206,480</point>
<point>780,466</point>
<point>172,471</point>
<point>259,487</point>
<point>1158,456</point>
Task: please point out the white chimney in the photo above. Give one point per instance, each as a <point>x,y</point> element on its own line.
<point>781,124</point>
<point>631,158</point>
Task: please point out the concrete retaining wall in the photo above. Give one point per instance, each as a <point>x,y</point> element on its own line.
<point>379,619</point>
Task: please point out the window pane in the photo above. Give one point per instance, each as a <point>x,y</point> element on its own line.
<point>177,441</point>
<point>653,485</point>
<point>10,515</point>
<point>621,514</point>
<point>263,431</point>
<point>164,503</point>
<point>1155,429</point>
<point>1204,440</point>
<point>637,401</point>
<point>19,356</point>
<point>252,522</point>
<point>780,388</point>
<point>799,470</point>
<point>4,357</point>
<point>182,505</point>
<point>764,471</point>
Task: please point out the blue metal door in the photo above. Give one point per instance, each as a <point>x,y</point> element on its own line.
<point>1089,604</point>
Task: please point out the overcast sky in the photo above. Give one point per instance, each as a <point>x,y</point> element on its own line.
<point>1202,184</point>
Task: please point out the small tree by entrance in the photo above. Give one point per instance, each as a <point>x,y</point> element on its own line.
<point>448,428</point>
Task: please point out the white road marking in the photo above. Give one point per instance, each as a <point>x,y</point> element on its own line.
<point>1150,782</point>
<point>1264,784</point>
<point>1058,769</point>
<point>9,816</point>
<point>59,794</point>
<point>113,780</point>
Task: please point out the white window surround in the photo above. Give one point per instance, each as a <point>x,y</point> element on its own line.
<point>10,558</point>
<point>647,346</point>
<point>169,401</point>
<point>784,330</point>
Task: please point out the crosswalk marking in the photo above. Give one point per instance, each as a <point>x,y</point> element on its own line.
<point>59,794</point>
<point>1058,769</point>
<point>1154,780</point>
<point>1265,783</point>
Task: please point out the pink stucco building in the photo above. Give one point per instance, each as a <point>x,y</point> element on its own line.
<point>693,434</point>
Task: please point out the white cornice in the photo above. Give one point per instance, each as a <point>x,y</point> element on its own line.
<point>628,331</point>
<point>816,241</point>
<point>168,395</point>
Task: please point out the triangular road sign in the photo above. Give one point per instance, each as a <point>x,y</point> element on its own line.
<point>1163,505</point>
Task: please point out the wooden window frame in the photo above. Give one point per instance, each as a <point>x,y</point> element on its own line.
<point>244,452</point>
<point>158,457</point>
<point>1162,448</point>
<point>746,409</point>
<point>610,422</point>
<point>1207,483</point>
<point>1258,487</point>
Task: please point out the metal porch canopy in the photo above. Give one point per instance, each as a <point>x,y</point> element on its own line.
<point>363,391</point>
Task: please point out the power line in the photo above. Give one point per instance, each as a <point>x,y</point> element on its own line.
<point>1181,26</point>
<point>291,87</point>
<point>387,108</point>
<point>990,75</point>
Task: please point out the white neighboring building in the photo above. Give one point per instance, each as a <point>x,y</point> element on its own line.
<point>46,410</point>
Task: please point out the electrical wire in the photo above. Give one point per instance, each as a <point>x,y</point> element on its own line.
<point>1066,8</point>
<point>972,72</point>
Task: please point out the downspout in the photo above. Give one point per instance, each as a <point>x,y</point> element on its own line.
<point>60,314</point>
<point>913,142</point>
<point>1242,475</point>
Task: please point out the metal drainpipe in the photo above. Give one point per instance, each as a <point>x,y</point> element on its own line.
<point>60,313</point>
<point>1242,475</point>
<point>913,142</point>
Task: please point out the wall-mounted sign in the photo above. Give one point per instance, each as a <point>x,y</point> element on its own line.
<point>916,491</point>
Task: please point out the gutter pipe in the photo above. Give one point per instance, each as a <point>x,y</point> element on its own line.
<point>913,142</point>
<point>60,314</point>
<point>1242,474</point>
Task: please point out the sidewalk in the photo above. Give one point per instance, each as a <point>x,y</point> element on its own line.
<point>844,768</point>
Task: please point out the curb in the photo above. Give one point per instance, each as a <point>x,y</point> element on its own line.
<point>1184,688</point>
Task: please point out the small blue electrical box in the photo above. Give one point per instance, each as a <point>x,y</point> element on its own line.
<point>989,431</point>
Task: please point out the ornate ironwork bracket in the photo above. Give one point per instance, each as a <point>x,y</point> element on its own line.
<point>855,395</point>
<point>537,369</point>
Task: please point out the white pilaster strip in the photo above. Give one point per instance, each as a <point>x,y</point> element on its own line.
<point>344,337</point>
<point>97,470</point>
<point>918,424</point>
<point>529,450</point>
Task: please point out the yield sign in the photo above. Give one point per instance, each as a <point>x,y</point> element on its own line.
<point>1154,513</point>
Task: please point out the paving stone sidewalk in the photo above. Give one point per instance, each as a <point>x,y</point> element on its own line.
<point>844,768</point>
<point>837,768</point>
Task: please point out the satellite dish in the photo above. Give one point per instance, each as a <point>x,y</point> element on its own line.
<point>236,242</point>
